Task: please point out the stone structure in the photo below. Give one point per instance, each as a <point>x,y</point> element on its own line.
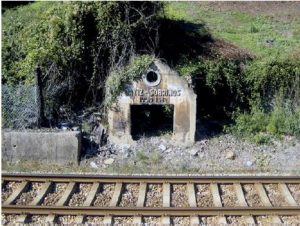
<point>51,147</point>
<point>160,85</point>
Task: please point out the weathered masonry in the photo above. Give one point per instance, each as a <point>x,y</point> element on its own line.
<point>147,99</point>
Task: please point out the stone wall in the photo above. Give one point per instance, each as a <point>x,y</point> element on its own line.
<point>51,147</point>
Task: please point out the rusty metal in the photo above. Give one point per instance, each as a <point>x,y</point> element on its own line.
<point>148,178</point>
<point>148,211</point>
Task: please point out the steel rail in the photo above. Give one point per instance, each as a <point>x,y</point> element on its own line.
<point>148,178</point>
<point>149,211</point>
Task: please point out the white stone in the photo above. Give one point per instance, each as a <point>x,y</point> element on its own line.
<point>201,155</point>
<point>109,161</point>
<point>194,152</point>
<point>162,147</point>
<point>230,155</point>
<point>94,165</point>
<point>249,163</point>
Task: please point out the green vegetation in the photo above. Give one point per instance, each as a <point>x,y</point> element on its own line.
<point>244,64</point>
<point>262,160</point>
<point>263,34</point>
<point>76,45</point>
<point>260,85</point>
<point>280,121</point>
<point>38,166</point>
<point>119,77</point>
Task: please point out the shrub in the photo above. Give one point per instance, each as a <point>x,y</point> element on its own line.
<point>278,79</point>
<point>282,120</point>
<point>76,45</point>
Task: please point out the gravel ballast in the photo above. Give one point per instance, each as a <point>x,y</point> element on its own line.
<point>291,220</point>
<point>55,194</point>
<point>154,195</point>
<point>179,195</point>
<point>8,219</point>
<point>264,220</point>
<point>251,195</point>
<point>27,197</point>
<point>228,195</point>
<point>8,189</point>
<point>123,220</point>
<point>104,196</point>
<point>275,196</point>
<point>180,221</point>
<point>152,221</point>
<point>237,220</point>
<point>93,220</point>
<point>38,219</point>
<point>129,195</point>
<point>209,220</point>
<point>80,195</point>
<point>203,195</point>
<point>68,219</point>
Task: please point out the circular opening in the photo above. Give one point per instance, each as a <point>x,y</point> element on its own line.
<point>151,76</point>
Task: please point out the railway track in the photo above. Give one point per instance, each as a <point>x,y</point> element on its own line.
<point>164,200</point>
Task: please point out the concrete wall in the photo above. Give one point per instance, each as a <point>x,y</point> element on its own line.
<point>51,147</point>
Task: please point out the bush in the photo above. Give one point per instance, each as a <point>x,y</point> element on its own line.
<point>274,89</point>
<point>219,83</point>
<point>249,124</point>
<point>76,45</point>
<point>278,79</point>
<point>282,120</point>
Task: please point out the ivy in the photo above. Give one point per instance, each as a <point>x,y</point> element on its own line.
<point>120,76</point>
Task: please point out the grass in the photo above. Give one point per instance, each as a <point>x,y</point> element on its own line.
<point>262,160</point>
<point>129,167</point>
<point>36,166</point>
<point>263,35</point>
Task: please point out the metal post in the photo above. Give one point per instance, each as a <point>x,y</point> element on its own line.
<point>39,98</point>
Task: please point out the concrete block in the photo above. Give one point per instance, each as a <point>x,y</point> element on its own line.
<point>52,147</point>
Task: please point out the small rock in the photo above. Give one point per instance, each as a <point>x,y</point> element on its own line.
<point>169,150</point>
<point>201,155</point>
<point>162,147</point>
<point>125,147</point>
<point>94,165</point>
<point>230,155</point>
<point>109,161</point>
<point>204,142</point>
<point>249,163</point>
<point>194,152</point>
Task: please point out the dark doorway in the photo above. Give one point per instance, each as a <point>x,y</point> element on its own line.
<point>151,120</point>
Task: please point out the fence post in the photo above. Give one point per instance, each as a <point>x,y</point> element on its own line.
<point>39,97</point>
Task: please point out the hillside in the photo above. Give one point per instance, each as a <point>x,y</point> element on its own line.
<point>265,29</point>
